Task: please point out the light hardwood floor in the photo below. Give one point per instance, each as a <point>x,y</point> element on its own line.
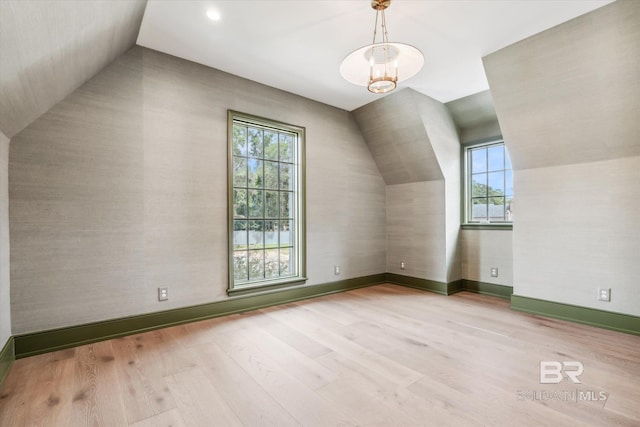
<point>378,356</point>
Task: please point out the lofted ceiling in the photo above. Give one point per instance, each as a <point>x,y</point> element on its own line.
<point>48,48</point>
<point>298,45</point>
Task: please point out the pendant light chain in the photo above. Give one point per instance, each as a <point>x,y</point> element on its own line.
<point>383,27</point>
<point>375,27</point>
<point>385,34</point>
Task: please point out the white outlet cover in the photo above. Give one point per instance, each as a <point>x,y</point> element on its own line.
<point>604,294</point>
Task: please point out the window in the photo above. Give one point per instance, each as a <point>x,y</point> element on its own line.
<point>266,206</point>
<point>488,184</point>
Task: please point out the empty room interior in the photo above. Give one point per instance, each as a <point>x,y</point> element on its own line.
<point>319,213</point>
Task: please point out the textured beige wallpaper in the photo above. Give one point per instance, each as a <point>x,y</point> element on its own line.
<point>576,231</point>
<point>121,188</point>
<point>571,94</point>
<point>568,102</point>
<point>5,309</point>
<point>415,144</point>
<point>49,48</point>
<point>396,135</point>
<point>416,230</point>
<point>485,249</point>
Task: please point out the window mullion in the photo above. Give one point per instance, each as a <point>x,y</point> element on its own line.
<point>481,185</point>
<point>266,258</point>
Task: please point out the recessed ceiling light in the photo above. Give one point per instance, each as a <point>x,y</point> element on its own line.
<point>214,15</point>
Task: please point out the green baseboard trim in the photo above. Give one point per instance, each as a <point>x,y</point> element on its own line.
<point>588,316</point>
<point>57,339</point>
<point>425,284</point>
<point>490,289</point>
<point>451,287</point>
<point>31,344</point>
<point>455,287</point>
<point>7,356</point>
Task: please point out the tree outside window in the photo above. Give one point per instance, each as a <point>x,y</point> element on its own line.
<point>489,184</point>
<point>266,177</point>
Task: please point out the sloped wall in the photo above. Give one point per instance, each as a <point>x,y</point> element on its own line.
<point>475,117</point>
<point>443,136</point>
<point>415,145</point>
<point>568,100</point>
<point>571,94</point>
<point>49,48</point>
<point>121,188</point>
<point>397,138</point>
<point>481,250</point>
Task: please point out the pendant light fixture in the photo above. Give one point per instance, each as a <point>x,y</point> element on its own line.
<point>381,65</point>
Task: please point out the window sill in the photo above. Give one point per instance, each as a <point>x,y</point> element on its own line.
<point>487,226</point>
<point>258,288</point>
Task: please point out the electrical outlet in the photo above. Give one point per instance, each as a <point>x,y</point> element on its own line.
<point>494,271</point>
<point>403,266</point>
<point>604,294</point>
<point>163,294</point>
<point>336,270</point>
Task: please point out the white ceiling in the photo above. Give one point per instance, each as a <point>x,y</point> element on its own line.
<point>298,45</point>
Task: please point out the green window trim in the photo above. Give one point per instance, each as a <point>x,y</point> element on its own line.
<point>489,226</point>
<point>266,203</point>
<point>487,176</point>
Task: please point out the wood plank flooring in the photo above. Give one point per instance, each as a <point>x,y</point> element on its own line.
<point>378,356</point>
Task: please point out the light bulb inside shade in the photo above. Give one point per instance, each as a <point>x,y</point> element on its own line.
<point>214,15</point>
<point>402,60</point>
<point>382,53</point>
